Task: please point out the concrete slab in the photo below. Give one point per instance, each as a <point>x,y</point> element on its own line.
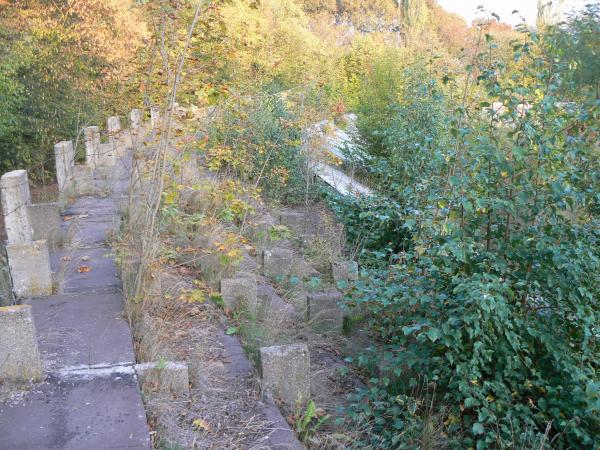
<point>90,233</point>
<point>82,330</point>
<point>46,223</point>
<point>89,270</point>
<point>30,268</point>
<point>92,206</point>
<point>79,412</point>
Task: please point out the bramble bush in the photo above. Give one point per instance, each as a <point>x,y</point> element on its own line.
<point>495,299</point>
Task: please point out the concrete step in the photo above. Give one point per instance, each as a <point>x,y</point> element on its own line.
<point>81,330</point>
<point>81,411</point>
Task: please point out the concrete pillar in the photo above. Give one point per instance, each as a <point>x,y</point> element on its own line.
<point>14,191</point>
<point>155,117</point>
<point>19,354</point>
<point>30,271</point>
<point>64,154</point>
<point>114,125</point>
<point>135,118</point>
<point>286,374</point>
<point>28,260</point>
<point>92,145</point>
<point>344,271</point>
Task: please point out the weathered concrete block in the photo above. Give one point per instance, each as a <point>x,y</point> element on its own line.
<point>19,355</point>
<point>258,229</point>
<point>107,155</point>
<point>30,268</point>
<point>14,190</point>
<point>64,154</point>
<point>344,270</point>
<point>248,264</point>
<point>324,311</point>
<point>135,119</point>
<point>239,292</point>
<point>286,373</point>
<point>155,120</point>
<point>170,376</point>
<point>92,144</point>
<point>278,262</point>
<point>294,220</point>
<point>83,177</point>
<point>46,223</point>
<point>113,124</point>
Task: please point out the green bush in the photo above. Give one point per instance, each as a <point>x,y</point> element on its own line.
<point>372,224</point>
<point>261,141</point>
<point>495,300</point>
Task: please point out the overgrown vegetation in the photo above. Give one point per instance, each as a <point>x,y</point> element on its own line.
<point>480,252</point>
<point>494,297</point>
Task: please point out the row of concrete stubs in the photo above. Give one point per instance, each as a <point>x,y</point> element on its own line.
<point>286,369</point>
<point>33,229</point>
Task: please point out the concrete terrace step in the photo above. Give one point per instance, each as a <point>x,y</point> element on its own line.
<point>80,411</point>
<point>79,330</point>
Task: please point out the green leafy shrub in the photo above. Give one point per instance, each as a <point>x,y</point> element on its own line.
<point>259,140</point>
<point>371,223</point>
<point>495,301</point>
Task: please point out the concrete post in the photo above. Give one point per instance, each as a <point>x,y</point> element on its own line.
<point>19,355</point>
<point>155,117</point>
<point>135,118</point>
<point>92,145</point>
<point>28,260</point>
<point>286,373</point>
<point>114,125</point>
<point>64,154</point>
<point>14,190</point>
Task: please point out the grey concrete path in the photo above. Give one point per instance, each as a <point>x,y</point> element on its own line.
<point>90,398</point>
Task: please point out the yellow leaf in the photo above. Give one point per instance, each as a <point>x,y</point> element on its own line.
<point>201,424</point>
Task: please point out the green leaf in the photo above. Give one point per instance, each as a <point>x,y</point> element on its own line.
<point>478,428</point>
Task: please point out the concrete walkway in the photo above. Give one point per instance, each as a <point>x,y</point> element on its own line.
<point>90,397</point>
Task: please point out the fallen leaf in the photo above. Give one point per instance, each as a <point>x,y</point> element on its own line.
<point>83,216</point>
<point>84,269</point>
<point>85,258</point>
<point>201,424</point>
<point>67,218</point>
<point>66,258</point>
